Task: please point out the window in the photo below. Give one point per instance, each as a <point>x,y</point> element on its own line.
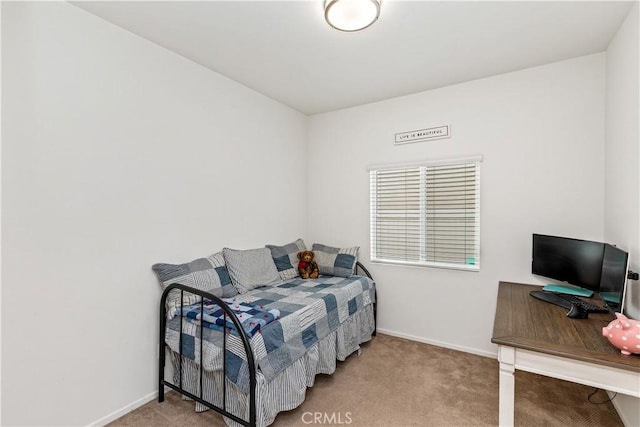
<point>427,214</point>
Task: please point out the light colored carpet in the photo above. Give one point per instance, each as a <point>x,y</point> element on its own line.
<point>396,382</point>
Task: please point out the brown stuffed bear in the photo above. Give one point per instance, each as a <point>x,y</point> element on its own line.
<point>307,267</point>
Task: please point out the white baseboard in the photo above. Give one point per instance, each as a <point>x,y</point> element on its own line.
<point>125,410</point>
<point>440,344</point>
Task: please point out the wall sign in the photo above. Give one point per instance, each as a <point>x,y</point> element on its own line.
<point>423,135</point>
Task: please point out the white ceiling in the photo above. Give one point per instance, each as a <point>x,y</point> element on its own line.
<point>285,50</point>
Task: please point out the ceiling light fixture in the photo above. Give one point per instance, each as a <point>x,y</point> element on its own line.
<point>351,15</point>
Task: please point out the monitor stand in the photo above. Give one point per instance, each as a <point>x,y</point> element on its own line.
<point>613,297</point>
<point>568,289</point>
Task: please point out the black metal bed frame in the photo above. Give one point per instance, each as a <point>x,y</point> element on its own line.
<point>245,342</point>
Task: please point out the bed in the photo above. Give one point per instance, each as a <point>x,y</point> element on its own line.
<point>253,355</point>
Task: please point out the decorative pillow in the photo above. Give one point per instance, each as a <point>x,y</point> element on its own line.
<point>207,274</point>
<point>250,268</point>
<point>335,261</point>
<point>286,258</point>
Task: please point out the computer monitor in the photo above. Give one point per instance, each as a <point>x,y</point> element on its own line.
<point>613,281</point>
<point>574,261</point>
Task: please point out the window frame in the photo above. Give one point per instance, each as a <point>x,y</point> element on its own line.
<point>422,167</point>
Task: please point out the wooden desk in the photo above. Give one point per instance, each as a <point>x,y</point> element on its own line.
<point>536,336</point>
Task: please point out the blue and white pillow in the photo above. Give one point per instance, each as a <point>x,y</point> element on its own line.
<point>207,274</point>
<point>286,258</point>
<point>335,261</point>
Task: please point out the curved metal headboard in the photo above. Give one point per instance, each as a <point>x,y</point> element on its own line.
<point>375,302</point>
<point>363,268</point>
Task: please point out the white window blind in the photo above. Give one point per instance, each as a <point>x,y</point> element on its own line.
<point>427,215</point>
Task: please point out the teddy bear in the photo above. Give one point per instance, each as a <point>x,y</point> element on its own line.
<point>307,267</point>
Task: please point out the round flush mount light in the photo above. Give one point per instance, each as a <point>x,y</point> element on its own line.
<point>351,15</point>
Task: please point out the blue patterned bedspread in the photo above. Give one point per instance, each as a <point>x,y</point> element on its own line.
<point>309,311</point>
<point>210,315</point>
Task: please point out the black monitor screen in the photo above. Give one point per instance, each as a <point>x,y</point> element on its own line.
<point>577,262</point>
<point>614,275</point>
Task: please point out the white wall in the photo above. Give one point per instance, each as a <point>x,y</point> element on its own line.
<point>622,159</point>
<point>116,154</point>
<point>622,154</point>
<point>541,132</point>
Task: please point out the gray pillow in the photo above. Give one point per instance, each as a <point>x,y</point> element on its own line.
<point>250,268</point>
<point>286,258</point>
<point>335,261</point>
<point>207,274</point>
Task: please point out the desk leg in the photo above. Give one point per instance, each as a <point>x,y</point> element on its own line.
<point>506,357</point>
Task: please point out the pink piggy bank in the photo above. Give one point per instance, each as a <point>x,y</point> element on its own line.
<point>624,334</point>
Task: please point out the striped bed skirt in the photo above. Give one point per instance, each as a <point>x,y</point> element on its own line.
<point>287,389</point>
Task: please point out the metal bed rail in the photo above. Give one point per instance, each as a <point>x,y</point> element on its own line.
<point>375,296</point>
<point>245,342</point>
